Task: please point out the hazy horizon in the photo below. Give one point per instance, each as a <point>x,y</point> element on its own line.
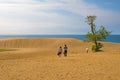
<point>49,34</point>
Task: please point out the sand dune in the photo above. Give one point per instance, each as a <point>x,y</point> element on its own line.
<point>35,43</point>
<point>36,59</point>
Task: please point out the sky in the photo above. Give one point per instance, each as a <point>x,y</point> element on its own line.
<point>57,16</point>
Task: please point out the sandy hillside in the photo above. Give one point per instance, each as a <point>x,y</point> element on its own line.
<point>36,59</point>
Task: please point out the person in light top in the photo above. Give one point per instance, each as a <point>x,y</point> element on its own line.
<point>59,51</point>
<point>87,50</point>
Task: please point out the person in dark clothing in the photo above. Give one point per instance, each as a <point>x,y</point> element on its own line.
<point>65,50</point>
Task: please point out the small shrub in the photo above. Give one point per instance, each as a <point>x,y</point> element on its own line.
<point>97,47</point>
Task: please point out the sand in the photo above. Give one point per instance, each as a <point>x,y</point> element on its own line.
<point>36,59</point>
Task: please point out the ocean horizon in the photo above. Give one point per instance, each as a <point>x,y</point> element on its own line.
<point>110,38</point>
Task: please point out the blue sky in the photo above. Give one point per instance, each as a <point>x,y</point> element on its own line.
<point>57,16</point>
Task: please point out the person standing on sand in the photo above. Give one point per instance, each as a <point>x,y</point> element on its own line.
<point>59,51</point>
<point>86,50</point>
<point>65,50</point>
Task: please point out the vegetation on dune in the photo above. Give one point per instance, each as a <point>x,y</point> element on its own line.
<point>96,35</point>
<point>3,50</point>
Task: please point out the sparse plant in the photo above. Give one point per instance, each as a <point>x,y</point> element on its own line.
<point>95,36</point>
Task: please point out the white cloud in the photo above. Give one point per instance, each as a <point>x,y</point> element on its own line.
<point>29,16</point>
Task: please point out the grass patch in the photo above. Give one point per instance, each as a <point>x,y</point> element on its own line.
<point>3,50</point>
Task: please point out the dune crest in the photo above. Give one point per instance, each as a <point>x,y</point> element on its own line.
<point>75,45</point>
<point>35,42</point>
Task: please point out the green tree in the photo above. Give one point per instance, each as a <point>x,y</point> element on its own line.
<point>94,35</point>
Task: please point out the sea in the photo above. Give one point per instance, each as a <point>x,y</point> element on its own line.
<point>110,38</point>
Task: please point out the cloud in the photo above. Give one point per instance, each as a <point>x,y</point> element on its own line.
<point>51,16</point>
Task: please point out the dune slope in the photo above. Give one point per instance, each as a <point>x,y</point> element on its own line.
<point>36,59</point>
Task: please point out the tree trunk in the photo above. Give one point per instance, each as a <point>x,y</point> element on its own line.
<point>93,32</point>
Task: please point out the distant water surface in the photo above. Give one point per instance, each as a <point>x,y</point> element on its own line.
<point>111,38</point>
